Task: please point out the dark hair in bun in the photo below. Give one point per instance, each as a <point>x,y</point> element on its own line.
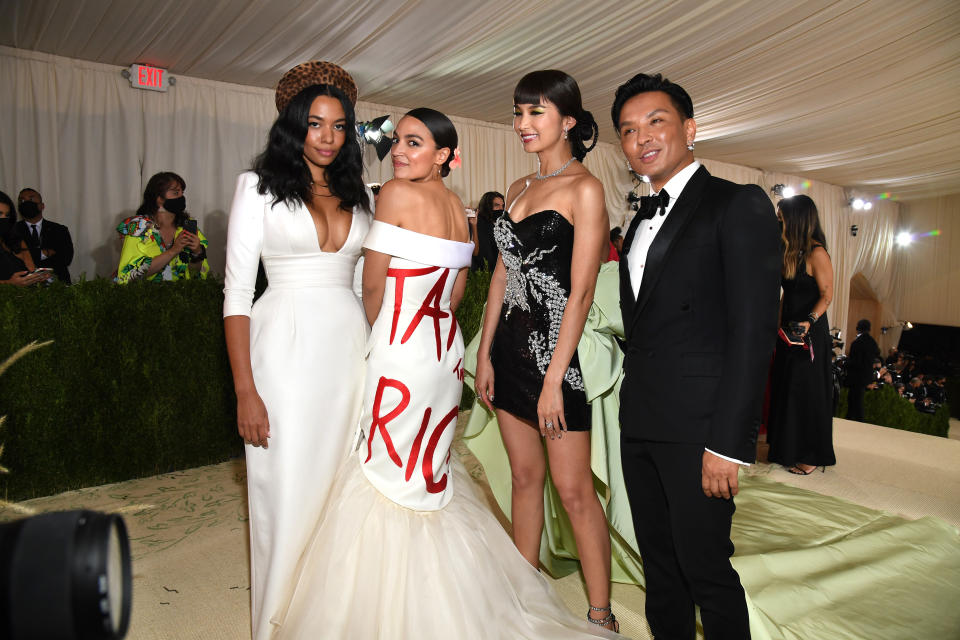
<point>443,132</point>
<point>561,90</point>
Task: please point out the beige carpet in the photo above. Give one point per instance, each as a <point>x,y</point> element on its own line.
<point>189,540</point>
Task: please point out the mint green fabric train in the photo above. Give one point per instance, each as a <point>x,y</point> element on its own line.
<point>812,566</point>
<point>601,362</point>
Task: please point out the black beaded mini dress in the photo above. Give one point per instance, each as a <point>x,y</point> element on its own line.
<point>536,252</point>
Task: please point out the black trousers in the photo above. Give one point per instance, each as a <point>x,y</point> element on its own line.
<point>855,402</point>
<point>684,540</point>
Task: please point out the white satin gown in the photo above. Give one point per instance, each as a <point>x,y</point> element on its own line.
<point>308,334</point>
<point>406,547</point>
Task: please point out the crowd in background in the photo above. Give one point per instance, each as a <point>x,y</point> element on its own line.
<point>160,243</point>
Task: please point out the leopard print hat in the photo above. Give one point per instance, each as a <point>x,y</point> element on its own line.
<point>310,73</point>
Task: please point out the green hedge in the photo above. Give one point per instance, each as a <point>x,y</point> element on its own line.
<point>886,408</point>
<point>470,317</point>
<point>953,396</point>
<point>136,383</point>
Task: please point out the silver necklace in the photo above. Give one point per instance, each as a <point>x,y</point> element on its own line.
<point>554,173</point>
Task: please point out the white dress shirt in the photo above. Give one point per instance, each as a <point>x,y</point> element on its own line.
<point>644,236</point>
<point>647,231</point>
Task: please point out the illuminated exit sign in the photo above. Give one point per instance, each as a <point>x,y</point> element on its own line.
<point>143,76</point>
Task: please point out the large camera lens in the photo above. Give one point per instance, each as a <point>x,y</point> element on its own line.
<point>65,575</point>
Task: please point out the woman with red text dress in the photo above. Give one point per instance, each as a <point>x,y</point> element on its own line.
<point>297,354</point>
<point>406,548</point>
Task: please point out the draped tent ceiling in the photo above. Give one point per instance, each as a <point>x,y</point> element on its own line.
<point>857,93</point>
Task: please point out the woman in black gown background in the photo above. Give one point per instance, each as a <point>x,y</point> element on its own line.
<point>800,429</point>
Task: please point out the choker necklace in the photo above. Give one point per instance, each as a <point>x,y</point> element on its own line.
<point>555,173</point>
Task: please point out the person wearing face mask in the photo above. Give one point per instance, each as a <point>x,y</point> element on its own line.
<point>485,253</point>
<point>162,242</point>
<point>50,244</point>
<point>16,263</point>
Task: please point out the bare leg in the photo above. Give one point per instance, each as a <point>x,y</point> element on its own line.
<point>571,474</point>
<point>528,471</point>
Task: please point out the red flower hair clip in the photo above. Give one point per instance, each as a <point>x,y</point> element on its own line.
<point>456,163</point>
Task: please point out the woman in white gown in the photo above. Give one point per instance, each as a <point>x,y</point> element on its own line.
<point>406,548</point>
<point>298,354</point>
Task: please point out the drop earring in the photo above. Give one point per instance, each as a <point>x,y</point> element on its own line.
<point>564,134</point>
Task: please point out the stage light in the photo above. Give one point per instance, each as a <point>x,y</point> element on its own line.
<point>857,203</point>
<point>782,191</point>
<point>867,205</point>
<point>904,238</point>
<point>65,575</point>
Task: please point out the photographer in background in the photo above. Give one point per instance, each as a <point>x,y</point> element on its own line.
<point>859,365</point>
<point>16,263</point>
<point>162,241</point>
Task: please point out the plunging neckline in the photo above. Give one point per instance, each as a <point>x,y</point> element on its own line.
<point>316,234</point>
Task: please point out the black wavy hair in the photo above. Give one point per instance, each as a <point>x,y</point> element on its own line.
<point>12,238</point>
<point>485,207</point>
<point>563,92</point>
<point>284,173</point>
<point>443,132</point>
<point>644,83</point>
<point>157,187</point>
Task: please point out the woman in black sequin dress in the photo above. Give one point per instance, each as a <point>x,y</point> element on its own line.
<point>551,240</point>
<point>800,428</point>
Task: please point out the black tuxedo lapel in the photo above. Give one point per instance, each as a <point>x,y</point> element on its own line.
<point>626,287</point>
<point>684,208</point>
<point>628,239</point>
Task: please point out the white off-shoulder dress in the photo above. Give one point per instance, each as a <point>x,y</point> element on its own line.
<point>406,547</point>
<point>308,335</point>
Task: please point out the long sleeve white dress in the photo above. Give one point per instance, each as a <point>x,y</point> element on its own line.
<point>307,337</point>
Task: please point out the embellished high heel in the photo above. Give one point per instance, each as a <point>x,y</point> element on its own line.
<point>608,619</point>
<point>798,471</point>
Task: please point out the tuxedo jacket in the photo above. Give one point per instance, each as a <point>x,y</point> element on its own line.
<point>52,236</point>
<point>863,351</point>
<point>702,329</point>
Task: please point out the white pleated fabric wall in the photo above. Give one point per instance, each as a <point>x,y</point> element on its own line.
<point>78,133</point>
<point>931,274</point>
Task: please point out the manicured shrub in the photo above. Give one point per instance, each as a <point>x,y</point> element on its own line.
<point>886,408</point>
<point>470,317</point>
<point>136,383</point>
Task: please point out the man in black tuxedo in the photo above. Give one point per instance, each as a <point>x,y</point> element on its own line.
<point>859,367</point>
<point>49,243</point>
<point>699,289</point>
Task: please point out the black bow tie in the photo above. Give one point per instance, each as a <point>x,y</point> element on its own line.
<point>650,205</point>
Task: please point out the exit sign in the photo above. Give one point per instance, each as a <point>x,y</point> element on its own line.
<point>144,76</point>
